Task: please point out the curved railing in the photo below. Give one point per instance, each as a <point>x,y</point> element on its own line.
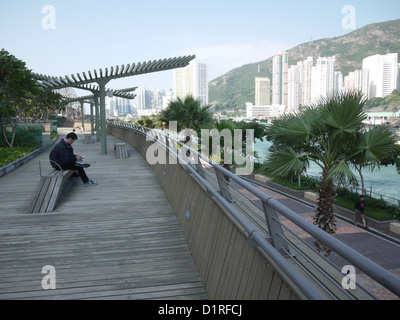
<point>267,227</point>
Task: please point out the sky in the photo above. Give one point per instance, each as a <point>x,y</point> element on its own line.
<point>64,37</point>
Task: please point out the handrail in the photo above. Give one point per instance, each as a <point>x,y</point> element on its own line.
<point>376,272</point>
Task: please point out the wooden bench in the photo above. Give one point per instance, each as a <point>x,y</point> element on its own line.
<point>48,191</point>
<point>120,150</point>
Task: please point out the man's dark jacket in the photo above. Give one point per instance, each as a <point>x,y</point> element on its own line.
<point>360,205</point>
<point>62,154</point>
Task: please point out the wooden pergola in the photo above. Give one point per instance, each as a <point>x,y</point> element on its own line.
<point>82,81</point>
<point>93,100</point>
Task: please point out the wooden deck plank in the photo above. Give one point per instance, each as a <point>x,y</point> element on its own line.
<point>118,240</point>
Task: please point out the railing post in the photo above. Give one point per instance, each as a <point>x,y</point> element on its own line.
<point>167,147</point>
<point>275,230</point>
<point>223,186</point>
<point>200,169</point>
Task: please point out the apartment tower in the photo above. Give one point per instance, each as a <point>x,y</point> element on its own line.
<point>192,80</point>
<point>263,91</point>
<point>382,73</point>
<point>280,78</point>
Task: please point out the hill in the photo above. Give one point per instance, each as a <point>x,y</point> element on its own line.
<point>233,89</point>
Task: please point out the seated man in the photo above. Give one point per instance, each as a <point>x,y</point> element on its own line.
<point>62,157</point>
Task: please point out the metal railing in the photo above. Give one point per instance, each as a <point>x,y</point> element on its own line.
<point>265,225</point>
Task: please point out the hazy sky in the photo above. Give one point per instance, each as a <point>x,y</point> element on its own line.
<point>75,36</point>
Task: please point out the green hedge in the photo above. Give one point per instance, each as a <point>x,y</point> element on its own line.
<point>24,137</point>
<point>8,155</point>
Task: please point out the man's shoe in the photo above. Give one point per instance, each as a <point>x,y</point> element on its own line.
<point>90,183</point>
<point>82,164</point>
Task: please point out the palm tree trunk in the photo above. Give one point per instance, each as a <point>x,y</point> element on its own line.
<point>363,191</point>
<point>324,217</point>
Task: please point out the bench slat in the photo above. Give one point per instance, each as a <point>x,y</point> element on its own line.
<point>48,190</point>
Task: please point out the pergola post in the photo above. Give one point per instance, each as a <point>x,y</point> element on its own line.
<point>103,134</point>
<point>82,115</point>
<point>91,117</point>
<point>96,106</point>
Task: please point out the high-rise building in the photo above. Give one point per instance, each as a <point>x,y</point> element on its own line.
<point>280,78</point>
<point>167,99</point>
<point>361,81</point>
<point>192,80</point>
<point>306,72</point>
<point>350,82</point>
<point>339,82</point>
<point>263,91</point>
<point>398,75</point>
<point>141,99</point>
<point>323,81</point>
<point>294,87</point>
<point>382,73</point>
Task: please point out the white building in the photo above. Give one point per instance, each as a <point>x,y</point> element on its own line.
<point>381,72</point>
<point>294,87</point>
<point>167,99</point>
<point>350,81</point>
<point>192,80</point>
<point>141,99</point>
<point>398,75</point>
<point>323,82</point>
<point>280,79</point>
<point>299,84</point>
<point>263,112</point>
<point>262,91</point>
<point>147,112</point>
<point>305,78</point>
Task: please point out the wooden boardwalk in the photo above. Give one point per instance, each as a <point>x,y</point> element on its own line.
<point>118,240</point>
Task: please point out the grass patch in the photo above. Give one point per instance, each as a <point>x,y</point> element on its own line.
<point>374,212</point>
<point>375,208</point>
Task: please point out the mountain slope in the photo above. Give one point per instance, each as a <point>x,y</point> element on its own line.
<point>233,89</point>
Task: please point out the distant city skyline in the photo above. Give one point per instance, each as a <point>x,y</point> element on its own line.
<point>60,38</point>
<point>308,81</point>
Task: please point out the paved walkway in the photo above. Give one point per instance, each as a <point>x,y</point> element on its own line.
<point>118,240</point>
<point>107,242</point>
<point>383,252</point>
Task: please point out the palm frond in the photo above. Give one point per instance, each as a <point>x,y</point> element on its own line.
<point>284,163</point>
<point>294,128</point>
<point>342,174</point>
<point>344,114</point>
<point>377,144</point>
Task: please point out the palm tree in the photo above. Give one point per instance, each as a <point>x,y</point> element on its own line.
<point>331,135</point>
<point>188,113</point>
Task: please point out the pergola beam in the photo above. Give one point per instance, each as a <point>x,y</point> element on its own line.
<point>54,83</point>
<point>120,72</point>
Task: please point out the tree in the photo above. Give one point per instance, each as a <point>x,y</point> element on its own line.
<point>221,142</point>
<point>331,135</point>
<point>16,85</point>
<point>21,97</point>
<point>148,122</point>
<point>188,113</point>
